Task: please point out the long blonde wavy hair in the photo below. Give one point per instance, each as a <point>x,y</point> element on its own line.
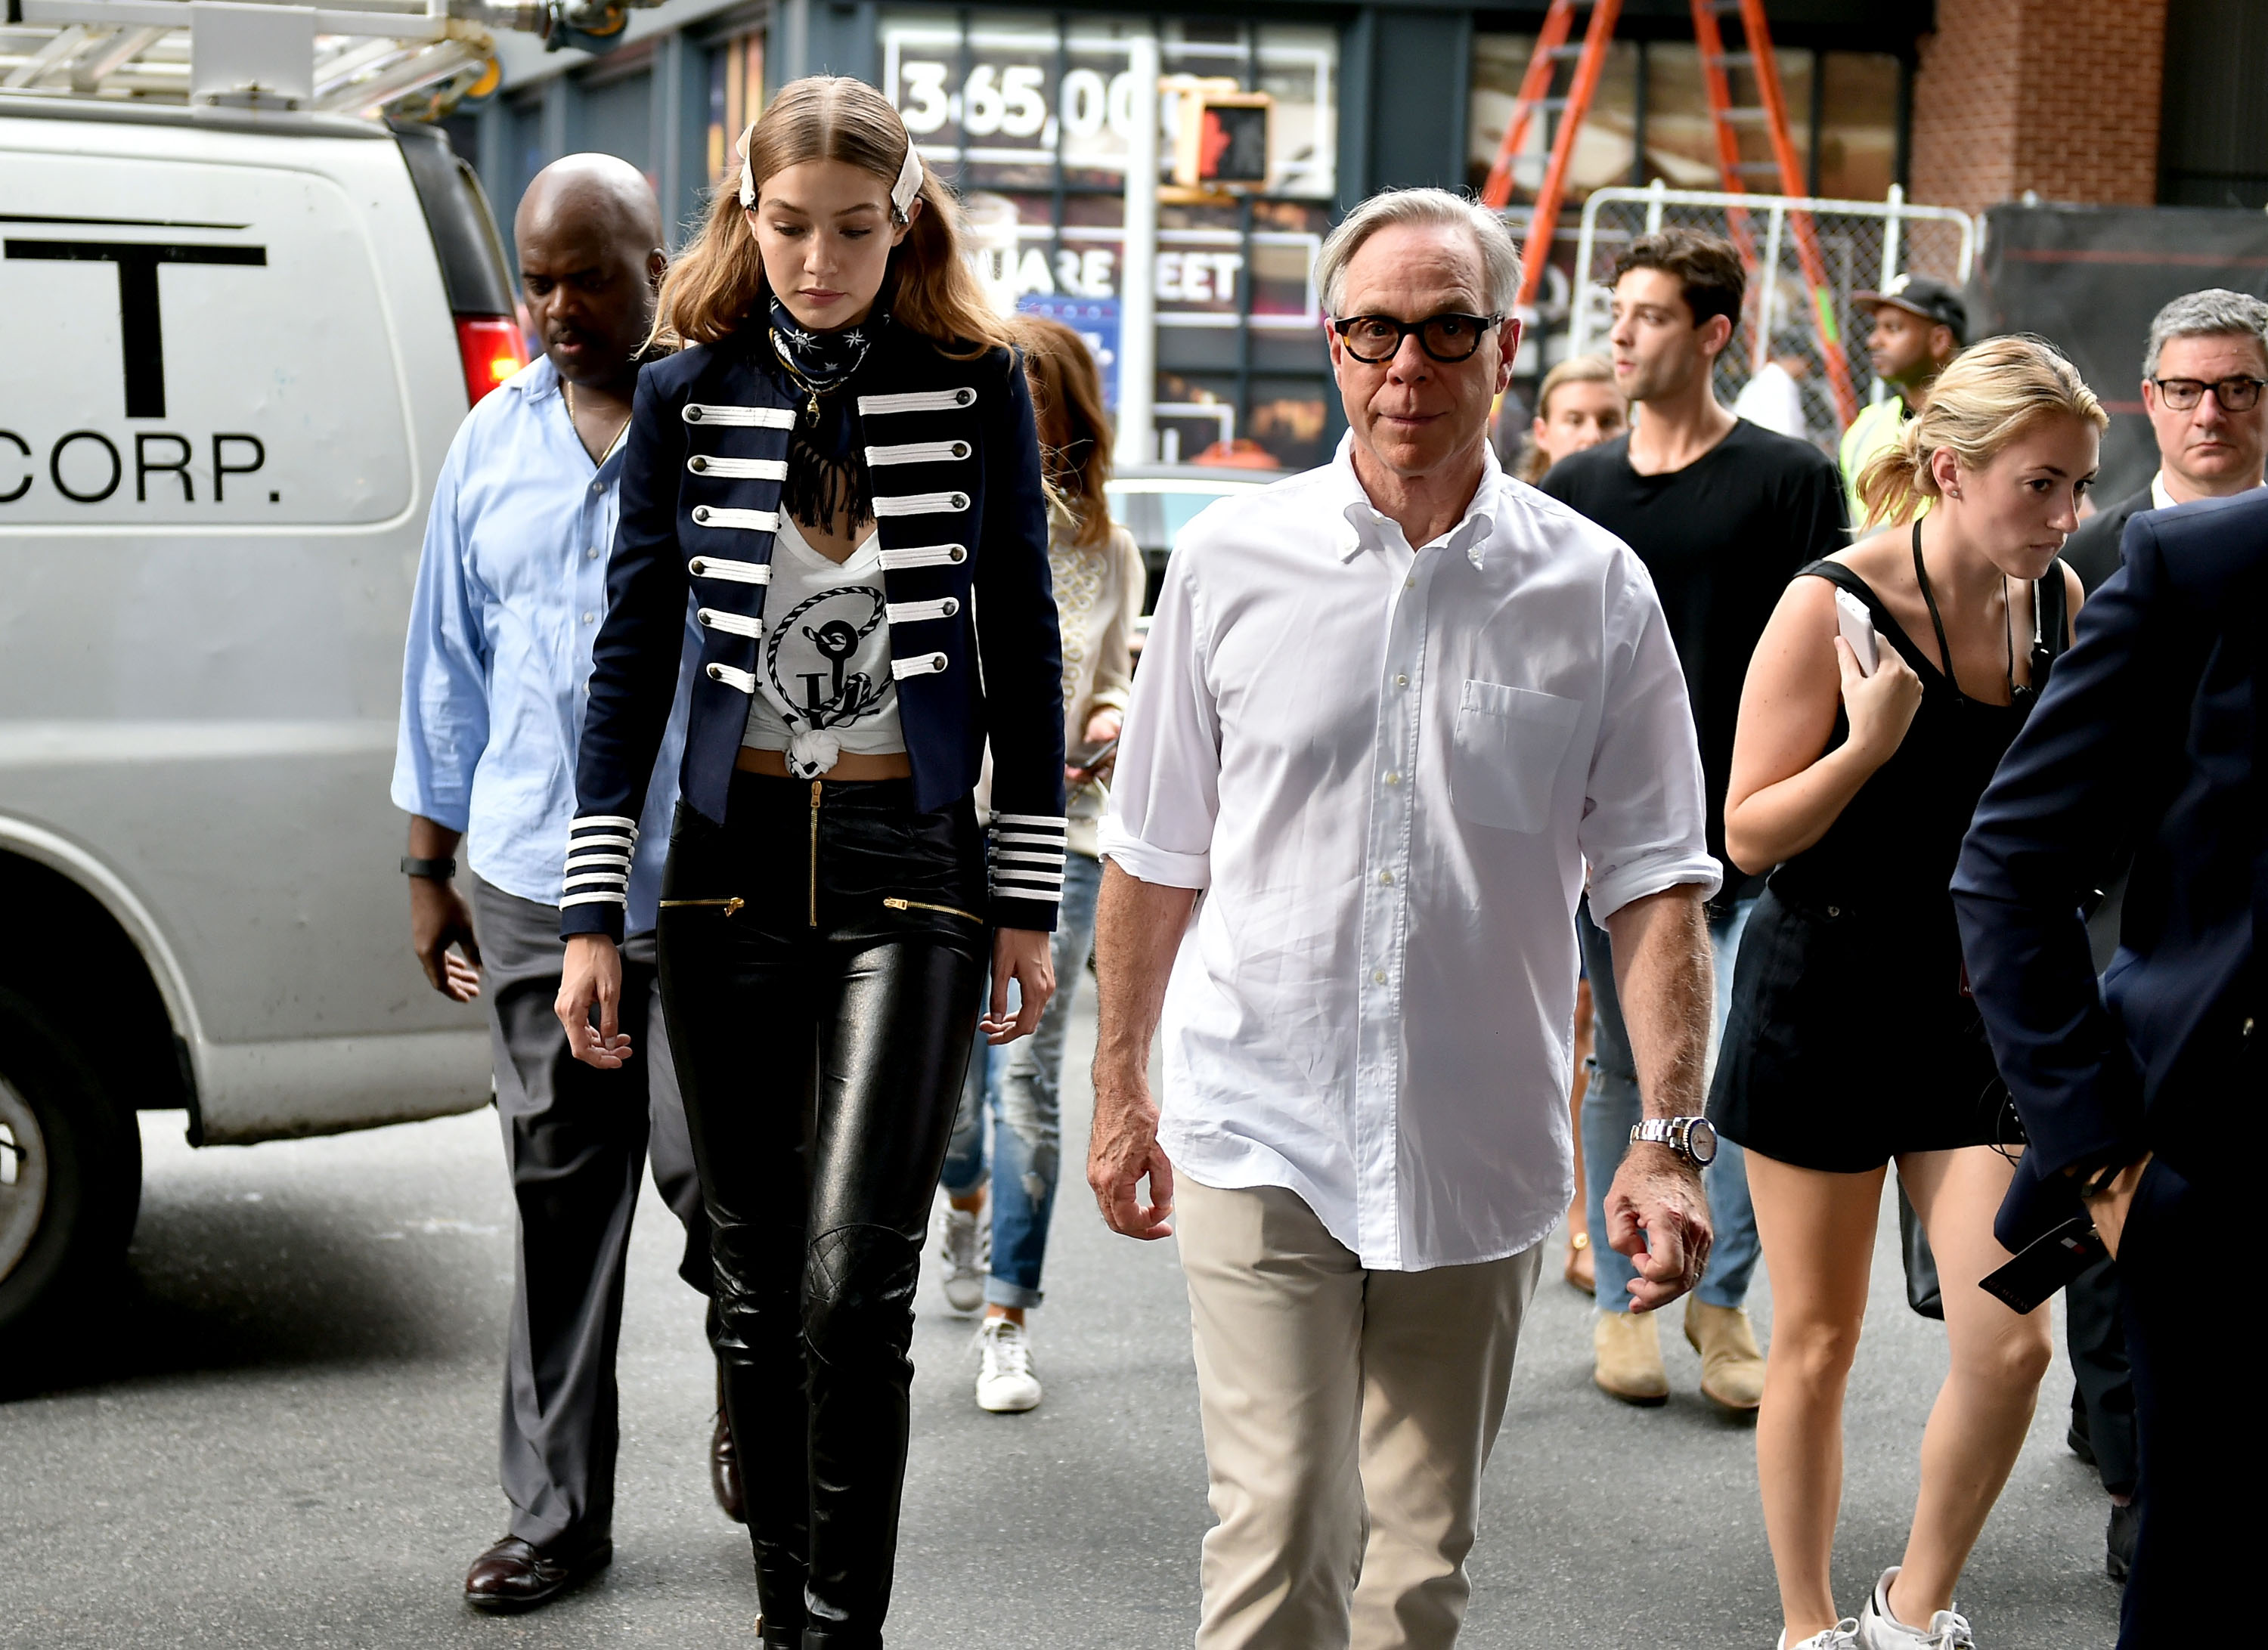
<point>1991,394</point>
<point>718,280</point>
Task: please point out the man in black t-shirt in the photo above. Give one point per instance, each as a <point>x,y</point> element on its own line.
<point>1723,513</point>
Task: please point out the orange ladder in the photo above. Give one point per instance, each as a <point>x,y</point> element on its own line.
<point>1726,118</point>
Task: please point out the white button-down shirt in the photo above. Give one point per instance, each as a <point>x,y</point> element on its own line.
<point>1387,768</point>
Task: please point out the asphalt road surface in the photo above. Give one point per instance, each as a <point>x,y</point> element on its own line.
<point>286,1436</point>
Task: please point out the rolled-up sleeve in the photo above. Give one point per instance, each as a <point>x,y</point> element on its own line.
<point>1645,814</point>
<point>1166,795</point>
<point>444,698</point>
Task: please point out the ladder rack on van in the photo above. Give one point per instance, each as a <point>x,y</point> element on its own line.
<point>346,56</point>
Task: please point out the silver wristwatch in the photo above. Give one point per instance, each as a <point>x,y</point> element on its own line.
<point>1693,1139</point>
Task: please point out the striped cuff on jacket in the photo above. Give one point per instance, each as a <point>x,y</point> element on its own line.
<point>598,849</point>
<point>1026,859</point>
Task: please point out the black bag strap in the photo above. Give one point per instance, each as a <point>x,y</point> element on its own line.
<point>1842,578</point>
<point>2050,623</point>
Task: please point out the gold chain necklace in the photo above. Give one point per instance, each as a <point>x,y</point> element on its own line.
<point>567,393</point>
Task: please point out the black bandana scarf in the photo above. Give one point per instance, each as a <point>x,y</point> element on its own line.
<point>825,473</point>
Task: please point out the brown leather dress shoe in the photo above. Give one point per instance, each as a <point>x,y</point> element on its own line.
<point>725,1463</point>
<point>515,1575</point>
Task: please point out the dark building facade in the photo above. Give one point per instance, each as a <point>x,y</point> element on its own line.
<point>1024,108</point>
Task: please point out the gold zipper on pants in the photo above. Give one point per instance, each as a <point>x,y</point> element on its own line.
<point>814,853</point>
<point>924,905</point>
<point>730,905</point>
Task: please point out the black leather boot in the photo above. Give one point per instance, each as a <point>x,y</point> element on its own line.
<point>724,1461</point>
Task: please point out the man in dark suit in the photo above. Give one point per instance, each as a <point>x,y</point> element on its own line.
<point>2201,381</point>
<point>2137,1096</point>
<point>2201,370</point>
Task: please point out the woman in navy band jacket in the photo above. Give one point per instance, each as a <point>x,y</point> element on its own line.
<point>839,473</point>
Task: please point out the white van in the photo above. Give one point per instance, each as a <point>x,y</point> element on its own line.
<point>233,350</point>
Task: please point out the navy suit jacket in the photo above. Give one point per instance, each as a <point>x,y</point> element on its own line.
<point>2147,737</point>
<point>2093,551</point>
<point>961,512</point>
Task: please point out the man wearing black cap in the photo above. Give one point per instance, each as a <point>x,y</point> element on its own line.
<point>1920,323</point>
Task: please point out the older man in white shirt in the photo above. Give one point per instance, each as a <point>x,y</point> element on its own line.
<point>1388,711</point>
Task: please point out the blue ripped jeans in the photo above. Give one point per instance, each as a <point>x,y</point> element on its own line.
<point>1611,1106</point>
<point>1021,1088</point>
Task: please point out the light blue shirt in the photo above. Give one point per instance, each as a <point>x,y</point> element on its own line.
<point>512,589</point>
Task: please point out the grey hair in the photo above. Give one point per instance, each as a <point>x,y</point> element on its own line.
<point>1499,252</point>
<point>2215,313</point>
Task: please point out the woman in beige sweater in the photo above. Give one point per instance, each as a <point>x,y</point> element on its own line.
<point>1099,585</point>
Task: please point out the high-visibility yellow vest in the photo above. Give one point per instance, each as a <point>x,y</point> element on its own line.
<point>1869,433</point>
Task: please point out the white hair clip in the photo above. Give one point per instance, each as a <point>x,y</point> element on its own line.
<point>902,193</point>
<point>908,185</point>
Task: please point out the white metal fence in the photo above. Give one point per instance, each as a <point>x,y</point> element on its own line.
<point>1804,333</point>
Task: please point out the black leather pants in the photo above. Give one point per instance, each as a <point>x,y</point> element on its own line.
<point>820,953</point>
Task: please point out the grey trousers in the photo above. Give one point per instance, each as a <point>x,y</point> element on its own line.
<point>576,1140</point>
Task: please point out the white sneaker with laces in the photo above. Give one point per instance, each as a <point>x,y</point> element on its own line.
<point>966,1249</point>
<point>1843,1635</point>
<point>1879,1630</point>
<point>1005,1384</point>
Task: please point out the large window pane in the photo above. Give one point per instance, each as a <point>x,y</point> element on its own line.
<point>736,97</point>
<point>1604,147</point>
<point>1858,135</point>
<point>1287,420</point>
<point>1681,136</point>
<point>1031,124</point>
<point>998,102</point>
<point>1194,413</point>
<point>1299,68</point>
<point>1094,104</point>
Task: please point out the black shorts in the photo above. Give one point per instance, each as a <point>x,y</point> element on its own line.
<point>1850,1042</point>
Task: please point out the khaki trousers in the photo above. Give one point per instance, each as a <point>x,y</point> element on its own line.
<point>1348,1415</point>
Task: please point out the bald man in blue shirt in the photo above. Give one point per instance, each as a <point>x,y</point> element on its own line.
<point>511,590</point>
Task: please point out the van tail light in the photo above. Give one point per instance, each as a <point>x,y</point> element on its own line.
<point>493,351</point>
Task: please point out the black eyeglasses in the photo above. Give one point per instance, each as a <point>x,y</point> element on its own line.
<point>2235,395</point>
<point>1374,338</point>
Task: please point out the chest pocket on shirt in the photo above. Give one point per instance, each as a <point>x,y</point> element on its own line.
<point>1506,753</point>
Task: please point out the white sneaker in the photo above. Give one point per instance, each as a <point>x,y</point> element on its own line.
<point>1840,1637</point>
<point>1005,1384</point>
<point>1879,1630</point>
<point>1843,1635</point>
<point>965,1249</point>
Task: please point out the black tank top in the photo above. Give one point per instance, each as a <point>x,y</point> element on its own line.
<point>1890,854</point>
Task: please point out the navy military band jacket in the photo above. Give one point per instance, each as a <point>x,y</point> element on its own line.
<point>953,466</point>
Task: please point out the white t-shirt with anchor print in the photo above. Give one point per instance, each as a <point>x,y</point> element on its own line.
<point>823,681</point>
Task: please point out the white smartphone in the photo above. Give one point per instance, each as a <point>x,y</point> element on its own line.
<point>1858,628</point>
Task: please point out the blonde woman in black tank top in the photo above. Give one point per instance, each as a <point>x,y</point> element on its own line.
<point>1851,1041</point>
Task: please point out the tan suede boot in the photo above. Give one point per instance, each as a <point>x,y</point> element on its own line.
<point>1626,1350</point>
<point>1732,1366</point>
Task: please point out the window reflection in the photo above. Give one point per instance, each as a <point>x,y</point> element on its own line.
<point>1669,135</point>
<point>1859,137</point>
<point>1603,149</point>
<point>1030,122</point>
<point>736,96</point>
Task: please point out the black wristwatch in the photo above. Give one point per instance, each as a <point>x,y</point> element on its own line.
<point>1693,1139</point>
<point>437,870</point>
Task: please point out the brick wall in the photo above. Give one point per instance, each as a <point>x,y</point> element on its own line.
<point>2060,96</point>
